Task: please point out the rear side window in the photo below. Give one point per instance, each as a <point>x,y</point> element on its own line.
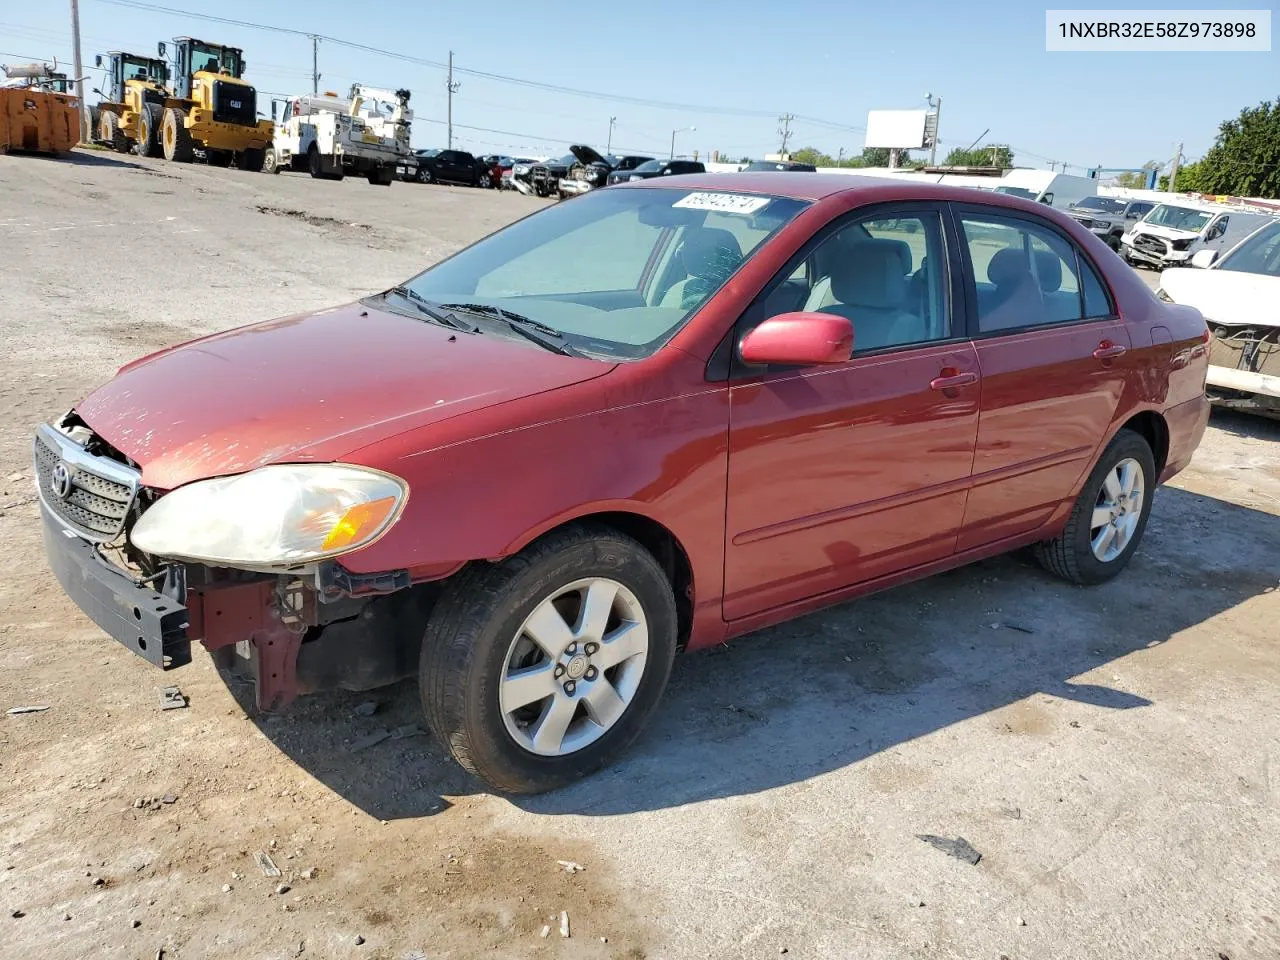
<point>1026,275</point>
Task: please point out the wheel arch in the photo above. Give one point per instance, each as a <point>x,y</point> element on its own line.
<point>658,539</point>
<point>1152,427</point>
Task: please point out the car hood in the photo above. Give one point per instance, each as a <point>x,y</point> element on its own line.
<point>1093,214</point>
<point>313,387</point>
<point>588,155</point>
<point>1226,296</point>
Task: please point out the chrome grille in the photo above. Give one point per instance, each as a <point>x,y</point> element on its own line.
<point>99,491</point>
<point>1146,242</point>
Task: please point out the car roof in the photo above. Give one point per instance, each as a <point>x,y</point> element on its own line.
<point>819,186</point>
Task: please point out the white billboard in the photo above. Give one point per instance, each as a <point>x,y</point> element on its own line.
<point>896,129</point>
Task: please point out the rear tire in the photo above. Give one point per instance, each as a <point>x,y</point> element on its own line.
<point>176,138</point>
<point>480,636</point>
<point>252,159</point>
<point>1081,553</point>
<point>109,132</point>
<point>149,122</point>
<point>271,162</point>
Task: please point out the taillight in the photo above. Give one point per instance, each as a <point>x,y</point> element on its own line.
<point>1206,336</point>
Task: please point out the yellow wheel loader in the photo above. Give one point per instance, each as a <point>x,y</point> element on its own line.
<point>133,103</point>
<point>211,110</point>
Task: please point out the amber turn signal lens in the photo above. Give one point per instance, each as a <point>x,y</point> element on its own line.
<point>359,522</point>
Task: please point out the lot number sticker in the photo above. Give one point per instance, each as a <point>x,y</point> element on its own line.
<point>722,202</point>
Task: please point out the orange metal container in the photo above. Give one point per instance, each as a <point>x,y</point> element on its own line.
<point>38,121</point>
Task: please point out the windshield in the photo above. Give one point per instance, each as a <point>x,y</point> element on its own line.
<point>1179,218</point>
<point>1258,254</point>
<point>1017,192</point>
<point>617,272</point>
<point>136,68</point>
<point>1104,204</point>
<point>649,166</point>
<point>215,59</point>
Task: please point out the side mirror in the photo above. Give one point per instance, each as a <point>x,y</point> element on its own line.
<point>97,60</point>
<point>799,338</point>
<point>1204,258</point>
<point>161,50</point>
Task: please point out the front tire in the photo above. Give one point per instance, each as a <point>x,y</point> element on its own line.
<point>539,670</point>
<point>176,138</point>
<point>1109,516</point>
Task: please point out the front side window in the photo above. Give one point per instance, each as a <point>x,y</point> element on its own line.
<point>649,166</point>
<point>1026,275</point>
<point>886,276</point>
<point>616,272</point>
<point>1259,254</point>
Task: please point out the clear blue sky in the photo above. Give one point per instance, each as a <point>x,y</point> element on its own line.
<point>821,59</point>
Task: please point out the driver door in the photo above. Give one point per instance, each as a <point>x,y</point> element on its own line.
<point>842,474</point>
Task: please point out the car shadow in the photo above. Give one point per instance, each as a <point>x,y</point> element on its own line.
<point>92,158</point>
<point>835,687</point>
<point>1241,424</point>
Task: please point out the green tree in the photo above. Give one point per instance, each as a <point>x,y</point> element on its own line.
<point>878,157</point>
<point>995,155</point>
<point>1191,179</point>
<point>813,155</point>
<point>1245,158</point>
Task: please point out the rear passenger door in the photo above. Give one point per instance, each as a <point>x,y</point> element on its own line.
<point>1053,357</point>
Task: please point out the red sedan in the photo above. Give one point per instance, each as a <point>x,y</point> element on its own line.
<point>651,420</point>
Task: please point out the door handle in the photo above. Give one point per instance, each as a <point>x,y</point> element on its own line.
<point>947,381</point>
<point>1106,350</point>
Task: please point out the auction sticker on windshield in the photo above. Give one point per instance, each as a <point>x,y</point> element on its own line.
<point>723,202</point>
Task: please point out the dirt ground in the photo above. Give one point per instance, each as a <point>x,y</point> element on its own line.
<point>1113,753</point>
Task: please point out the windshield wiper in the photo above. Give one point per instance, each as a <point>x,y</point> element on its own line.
<point>531,329</point>
<point>433,310</point>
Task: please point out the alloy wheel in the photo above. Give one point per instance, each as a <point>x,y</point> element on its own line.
<point>1117,511</point>
<point>574,667</point>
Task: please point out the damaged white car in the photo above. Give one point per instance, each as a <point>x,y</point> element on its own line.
<point>1239,295</point>
<point>1172,233</point>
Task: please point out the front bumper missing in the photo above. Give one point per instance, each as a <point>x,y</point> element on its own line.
<point>151,624</point>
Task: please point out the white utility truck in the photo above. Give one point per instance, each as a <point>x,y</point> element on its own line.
<point>364,134</point>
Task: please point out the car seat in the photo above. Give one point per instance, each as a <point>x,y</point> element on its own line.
<point>709,256</point>
<point>1017,300</point>
<point>827,260</point>
<point>870,289</point>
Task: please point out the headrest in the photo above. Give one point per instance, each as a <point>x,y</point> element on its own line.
<point>1049,270</point>
<point>710,253</point>
<point>871,276</point>
<point>1008,267</point>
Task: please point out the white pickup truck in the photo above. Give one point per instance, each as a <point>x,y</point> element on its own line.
<point>365,134</point>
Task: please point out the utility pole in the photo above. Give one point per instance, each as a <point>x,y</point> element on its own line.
<point>452,88</point>
<point>784,131</point>
<point>609,146</point>
<point>1173,170</point>
<point>85,133</point>
<point>315,65</point>
<point>935,104</point>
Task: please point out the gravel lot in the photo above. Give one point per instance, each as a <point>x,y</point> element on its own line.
<point>1113,753</point>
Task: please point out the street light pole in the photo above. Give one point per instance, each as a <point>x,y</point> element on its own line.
<point>937,117</point>
<point>85,133</point>
<point>608,147</point>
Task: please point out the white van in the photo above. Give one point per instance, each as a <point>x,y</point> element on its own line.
<point>1239,295</point>
<point>1172,233</point>
<point>1060,190</point>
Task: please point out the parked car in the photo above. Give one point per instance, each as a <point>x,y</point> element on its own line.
<point>649,420</point>
<point>656,168</point>
<point>448,166</point>
<point>522,172</point>
<point>1239,294</point>
<point>545,177</point>
<point>761,166</point>
<point>1172,233</point>
<point>1109,217</point>
<point>494,169</point>
<point>591,170</point>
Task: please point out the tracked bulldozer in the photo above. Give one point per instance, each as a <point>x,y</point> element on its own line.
<point>210,110</point>
<point>132,106</point>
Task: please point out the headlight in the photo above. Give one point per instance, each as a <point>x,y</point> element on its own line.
<point>1160,294</point>
<point>1102,224</point>
<point>634,177</point>
<point>274,516</point>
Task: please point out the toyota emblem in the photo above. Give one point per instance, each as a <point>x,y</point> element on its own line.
<point>60,481</point>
